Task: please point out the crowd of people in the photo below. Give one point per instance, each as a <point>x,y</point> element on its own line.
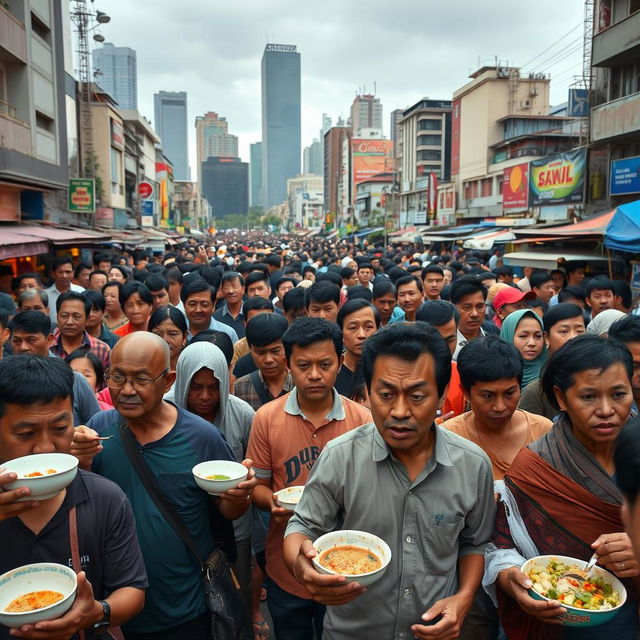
<point>470,416</point>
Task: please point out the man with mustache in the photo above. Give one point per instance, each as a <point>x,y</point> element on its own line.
<point>427,492</point>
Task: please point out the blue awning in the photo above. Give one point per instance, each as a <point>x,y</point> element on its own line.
<point>368,231</point>
<point>623,231</point>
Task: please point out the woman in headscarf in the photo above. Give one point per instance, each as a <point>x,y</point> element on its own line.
<point>523,329</point>
<point>559,495</point>
<point>599,326</point>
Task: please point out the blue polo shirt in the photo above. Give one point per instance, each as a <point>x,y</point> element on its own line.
<point>175,593</point>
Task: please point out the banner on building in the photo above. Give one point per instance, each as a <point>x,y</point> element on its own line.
<point>370,158</point>
<point>578,103</point>
<point>557,179</point>
<point>82,195</point>
<point>515,187</point>
<point>625,176</point>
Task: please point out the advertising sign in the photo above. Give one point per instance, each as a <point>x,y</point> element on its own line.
<point>515,187</point>
<point>625,176</point>
<point>370,157</point>
<point>578,103</point>
<point>557,179</point>
<point>82,196</point>
<point>117,134</point>
<point>145,190</point>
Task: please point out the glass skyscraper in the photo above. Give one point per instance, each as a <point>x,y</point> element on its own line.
<point>170,112</point>
<point>281,138</point>
<point>116,73</point>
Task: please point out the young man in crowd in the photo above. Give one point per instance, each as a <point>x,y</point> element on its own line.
<point>357,320</point>
<point>432,281</point>
<point>274,264</point>
<point>230,313</point>
<point>508,300</point>
<point>174,278</point>
<point>410,296</point>
<point>627,330</point>
<point>31,335</point>
<point>73,311</point>
<point>437,492</point>
<point>365,274</point>
<point>384,299</point>
<point>349,277</point>
<point>199,298</point>
<point>172,440</point>
<point>159,287</point>
<point>62,273</point>
<point>469,297</point>
<point>81,275</point>
<point>294,304</point>
<point>562,322</point>
<point>286,438</point>
<point>36,416</point>
<point>94,326</point>
<point>283,286</point>
<point>252,307</point>
<point>97,280</point>
<point>271,379</point>
<point>600,293</point>
<point>257,284</point>
<point>542,285</point>
<point>29,280</point>
<point>323,300</point>
<point>442,315</point>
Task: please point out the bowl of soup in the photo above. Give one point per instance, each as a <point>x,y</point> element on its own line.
<point>217,476</point>
<point>589,602</point>
<point>36,592</point>
<point>45,474</point>
<point>357,555</point>
<point>288,498</point>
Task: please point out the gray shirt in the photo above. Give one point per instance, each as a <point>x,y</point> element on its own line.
<point>448,512</point>
<point>534,400</point>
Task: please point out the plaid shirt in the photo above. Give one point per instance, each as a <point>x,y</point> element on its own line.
<point>97,347</point>
<point>244,389</point>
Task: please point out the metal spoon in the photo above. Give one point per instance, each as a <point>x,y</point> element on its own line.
<point>587,569</point>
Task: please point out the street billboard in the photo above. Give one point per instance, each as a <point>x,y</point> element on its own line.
<point>625,176</point>
<point>82,195</point>
<point>369,158</point>
<point>515,187</point>
<point>558,179</point>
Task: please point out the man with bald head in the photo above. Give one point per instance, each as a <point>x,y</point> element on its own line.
<point>172,441</point>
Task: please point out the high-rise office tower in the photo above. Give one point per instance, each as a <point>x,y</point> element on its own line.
<point>170,109</point>
<point>116,72</point>
<point>213,139</point>
<point>395,131</point>
<point>281,137</point>
<point>255,174</point>
<point>366,113</point>
<point>225,186</point>
<point>313,158</point>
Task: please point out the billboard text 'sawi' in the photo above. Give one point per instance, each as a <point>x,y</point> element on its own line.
<point>557,179</point>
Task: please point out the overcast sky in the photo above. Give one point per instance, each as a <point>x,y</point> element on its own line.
<point>409,48</point>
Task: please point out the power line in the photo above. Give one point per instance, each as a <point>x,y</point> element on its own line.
<point>577,43</point>
<point>551,45</point>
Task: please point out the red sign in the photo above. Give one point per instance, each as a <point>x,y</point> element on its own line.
<point>145,190</point>
<point>515,187</point>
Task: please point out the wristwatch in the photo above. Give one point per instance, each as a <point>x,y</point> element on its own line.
<point>105,623</point>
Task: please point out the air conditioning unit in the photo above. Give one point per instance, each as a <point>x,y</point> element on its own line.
<point>525,104</point>
<point>502,72</point>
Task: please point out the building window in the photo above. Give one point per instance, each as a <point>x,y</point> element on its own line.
<point>429,154</point>
<point>429,125</point>
<point>115,171</point>
<point>634,5</point>
<point>487,184</point>
<point>432,140</point>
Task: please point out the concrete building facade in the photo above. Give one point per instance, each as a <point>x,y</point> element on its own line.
<point>33,153</point>
<point>334,167</point>
<point>281,136</point>
<point>312,158</point>
<point>170,113</point>
<point>115,71</point>
<point>306,201</point>
<point>366,113</point>
<point>225,185</point>
<point>213,139</point>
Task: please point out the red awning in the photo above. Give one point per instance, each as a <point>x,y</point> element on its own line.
<point>17,245</point>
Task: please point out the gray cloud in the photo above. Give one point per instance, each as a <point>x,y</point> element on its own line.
<point>409,48</point>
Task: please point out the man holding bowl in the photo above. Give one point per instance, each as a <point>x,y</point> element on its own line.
<point>426,492</point>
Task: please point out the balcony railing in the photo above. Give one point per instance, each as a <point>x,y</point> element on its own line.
<point>7,109</point>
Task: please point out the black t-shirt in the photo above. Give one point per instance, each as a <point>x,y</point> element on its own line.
<point>244,365</point>
<point>109,550</point>
<point>344,381</point>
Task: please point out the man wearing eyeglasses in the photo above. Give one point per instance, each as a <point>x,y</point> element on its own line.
<point>172,441</point>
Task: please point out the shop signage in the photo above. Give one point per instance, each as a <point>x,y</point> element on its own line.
<point>145,190</point>
<point>625,176</point>
<point>515,187</point>
<point>81,196</point>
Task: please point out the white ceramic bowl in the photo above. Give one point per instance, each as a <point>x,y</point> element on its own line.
<point>357,539</point>
<point>576,617</point>
<point>288,498</point>
<point>43,576</point>
<point>47,485</point>
<point>234,471</point>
